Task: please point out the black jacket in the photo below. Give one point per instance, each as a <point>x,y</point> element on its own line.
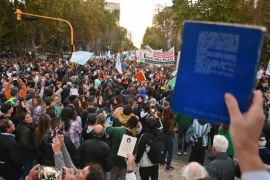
<point>85,115</point>
<point>26,140</point>
<point>10,154</point>
<point>94,151</point>
<point>145,140</point>
<point>65,93</point>
<point>222,167</point>
<point>45,152</point>
<point>87,133</point>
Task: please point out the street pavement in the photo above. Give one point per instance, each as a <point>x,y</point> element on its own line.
<point>183,159</point>
<point>178,162</point>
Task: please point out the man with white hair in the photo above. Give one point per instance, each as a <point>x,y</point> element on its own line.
<point>222,167</point>
<point>193,171</point>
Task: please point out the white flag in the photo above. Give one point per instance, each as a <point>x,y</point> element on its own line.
<point>109,54</point>
<point>118,64</point>
<point>81,57</point>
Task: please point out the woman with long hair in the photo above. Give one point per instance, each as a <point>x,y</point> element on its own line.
<point>43,127</point>
<point>86,85</point>
<point>26,139</point>
<point>107,94</point>
<point>99,91</point>
<point>21,107</point>
<point>100,102</point>
<point>72,128</point>
<point>117,102</point>
<point>76,117</point>
<point>169,127</point>
<point>78,107</point>
<point>140,104</point>
<point>83,101</point>
<point>37,109</point>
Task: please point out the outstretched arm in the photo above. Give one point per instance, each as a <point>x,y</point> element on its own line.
<point>245,130</point>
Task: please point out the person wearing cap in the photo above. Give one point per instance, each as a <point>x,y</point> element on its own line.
<point>142,93</point>
<point>116,133</point>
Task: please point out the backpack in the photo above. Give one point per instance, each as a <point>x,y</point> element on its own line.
<point>158,150</point>
<point>197,141</point>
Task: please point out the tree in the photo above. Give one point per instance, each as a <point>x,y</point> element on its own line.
<point>153,37</point>
<point>256,12</point>
<point>7,23</point>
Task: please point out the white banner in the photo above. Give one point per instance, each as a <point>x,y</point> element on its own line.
<point>159,58</point>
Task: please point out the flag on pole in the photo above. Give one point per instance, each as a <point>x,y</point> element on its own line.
<point>81,57</point>
<point>100,56</point>
<point>109,54</point>
<point>118,65</point>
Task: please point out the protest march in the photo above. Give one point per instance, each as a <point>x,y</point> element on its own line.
<point>72,114</point>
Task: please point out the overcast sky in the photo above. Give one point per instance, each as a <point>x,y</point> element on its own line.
<point>136,16</point>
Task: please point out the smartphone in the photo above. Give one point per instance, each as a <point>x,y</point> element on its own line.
<point>49,172</point>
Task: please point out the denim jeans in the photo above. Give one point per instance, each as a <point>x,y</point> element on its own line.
<point>181,137</point>
<point>169,145</point>
<point>27,166</point>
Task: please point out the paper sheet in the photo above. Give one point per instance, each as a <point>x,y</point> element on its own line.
<point>74,91</point>
<point>127,145</point>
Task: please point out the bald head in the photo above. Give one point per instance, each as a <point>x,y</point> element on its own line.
<point>107,77</point>
<point>98,131</point>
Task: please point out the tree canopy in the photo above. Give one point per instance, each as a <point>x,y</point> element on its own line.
<point>89,18</point>
<point>252,12</point>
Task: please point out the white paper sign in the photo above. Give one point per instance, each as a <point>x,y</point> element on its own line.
<point>74,91</point>
<point>9,75</point>
<point>127,145</point>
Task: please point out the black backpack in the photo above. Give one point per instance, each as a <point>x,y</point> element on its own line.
<point>198,141</point>
<point>158,149</point>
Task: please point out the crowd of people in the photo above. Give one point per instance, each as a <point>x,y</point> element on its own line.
<point>73,117</point>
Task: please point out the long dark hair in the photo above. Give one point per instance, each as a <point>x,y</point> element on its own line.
<point>167,116</point>
<point>78,109</point>
<point>66,115</point>
<point>43,127</point>
<point>23,117</point>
